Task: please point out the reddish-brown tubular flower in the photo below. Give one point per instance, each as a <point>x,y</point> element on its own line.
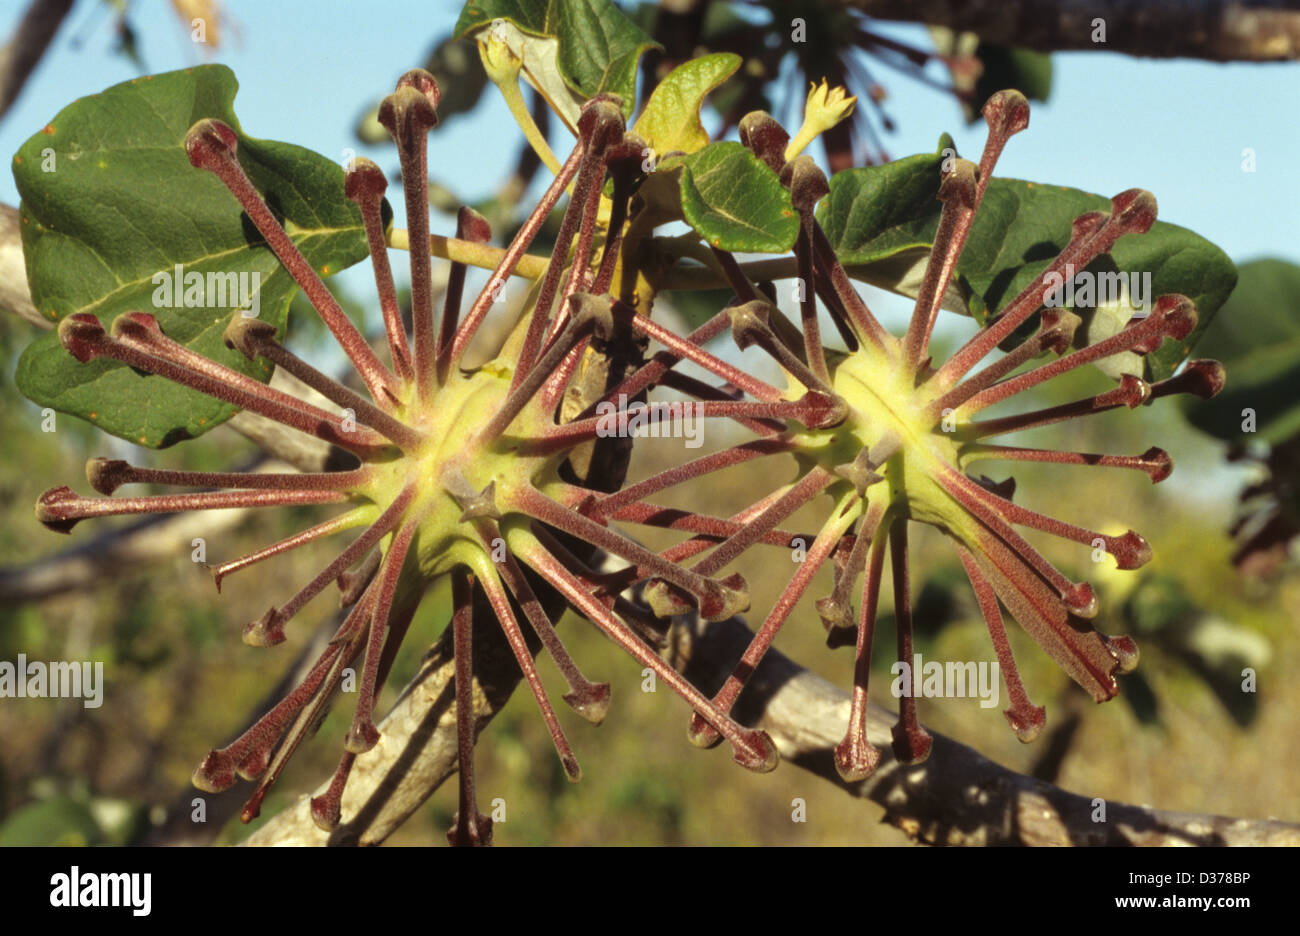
<point>890,437</point>
<point>460,469</point>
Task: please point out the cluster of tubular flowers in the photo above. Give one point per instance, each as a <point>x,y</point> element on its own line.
<point>890,437</point>
<point>458,470</point>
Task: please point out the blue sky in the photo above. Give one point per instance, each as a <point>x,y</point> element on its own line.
<point>308,68</point>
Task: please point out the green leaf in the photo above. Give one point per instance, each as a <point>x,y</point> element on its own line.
<point>882,219</point>
<point>60,821</point>
<point>671,119</point>
<point>875,213</point>
<point>1257,338</point>
<point>697,306</point>
<point>122,205</point>
<point>735,202</point>
<point>598,46</point>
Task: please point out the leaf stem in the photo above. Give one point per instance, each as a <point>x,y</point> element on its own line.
<point>485,256</point>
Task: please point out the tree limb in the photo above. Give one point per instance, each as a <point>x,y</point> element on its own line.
<point>303,451</point>
<point>958,797</point>
<point>1215,30</point>
<point>24,49</point>
<point>15,297</point>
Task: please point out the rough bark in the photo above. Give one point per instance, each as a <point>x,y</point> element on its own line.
<point>1215,30</point>
<point>958,797</point>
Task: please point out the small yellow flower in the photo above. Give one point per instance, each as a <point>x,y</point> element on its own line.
<point>826,107</point>
<point>499,60</point>
<point>503,65</point>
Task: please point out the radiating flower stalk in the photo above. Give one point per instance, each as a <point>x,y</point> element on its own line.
<point>459,469</point>
<point>890,437</point>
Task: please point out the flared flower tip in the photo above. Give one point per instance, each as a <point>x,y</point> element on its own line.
<point>210,143</point>
<point>1132,391</point>
<point>1202,378</point>
<point>1157,463</point>
<point>425,83</point>
<point>364,181</point>
<point>1087,223</point>
<point>361,738</point>
<point>806,182</point>
<point>246,335</point>
<point>1125,651</point>
<point>856,758</point>
<point>600,125</point>
<point>720,601</point>
<point>823,410</point>
<point>473,226</point>
<point>139,326</point>
<point>326,811</point>
<point>1081,601</point>
<point>765,138</point>
<point>407,115</point>
<point>1173,316</point>
<point>266,631</point>
<point>1057,329</point>
<point>1131,550</point>
<point>594,312</point>
<point>81,335</point>
<point>749,322</point>
<point>959,184</point>
<point>591,702</point>
<point>1134,210</point>
<point>1006,112</point>
<point>56,509</point>
<point>835,614</point>
<point>106,475</point>
<point>726,599</point>
<point>1027,722</point>
<point>755,750</point>
<point>215,774</point>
